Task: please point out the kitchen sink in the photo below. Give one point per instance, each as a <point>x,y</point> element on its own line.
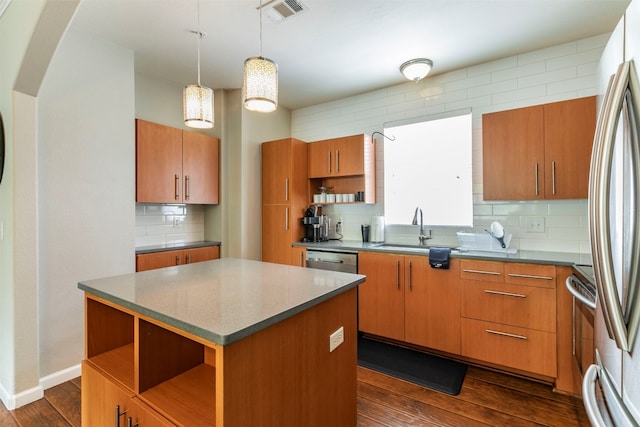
<point>413,248</point>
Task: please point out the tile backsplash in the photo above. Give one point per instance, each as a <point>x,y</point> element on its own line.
<point>167,224</point>
<point>557,73</point>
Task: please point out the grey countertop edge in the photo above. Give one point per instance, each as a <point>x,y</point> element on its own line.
<point>212,336</point>
<point>530,257</point>
<point>173,246</point>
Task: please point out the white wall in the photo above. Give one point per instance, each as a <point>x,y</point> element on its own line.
<point>557,73</point>
<point>86,186</point>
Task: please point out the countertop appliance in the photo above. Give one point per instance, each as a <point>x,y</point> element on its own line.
<point>345,261</point>
<point>614,203</point>
<point>316,226</point>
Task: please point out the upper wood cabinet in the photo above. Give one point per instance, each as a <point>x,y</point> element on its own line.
<point>539,152</point>
<point>175,166</point>
<point>284,197</point>
<point>346,165</point>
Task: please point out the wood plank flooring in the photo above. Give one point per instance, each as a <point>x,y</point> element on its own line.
<point>487,399</point>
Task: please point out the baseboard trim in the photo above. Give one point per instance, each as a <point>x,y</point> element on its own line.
<point>13,401</point>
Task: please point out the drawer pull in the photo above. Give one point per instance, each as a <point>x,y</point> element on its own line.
<point>494,273</point>
<point>505,334</point>
<point>508,294</point>
<point>530,276</point>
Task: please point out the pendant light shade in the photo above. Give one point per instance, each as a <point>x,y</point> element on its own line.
<point>260,85</point>
<point>197,100</point>
<point>416,69</point>
<point>198,106</point>
<point>260,81</point>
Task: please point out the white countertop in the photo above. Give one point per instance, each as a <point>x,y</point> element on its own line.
<point>222,300</point>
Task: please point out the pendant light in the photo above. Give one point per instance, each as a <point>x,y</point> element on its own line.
<point>260,81</point>
<point>198,99</point>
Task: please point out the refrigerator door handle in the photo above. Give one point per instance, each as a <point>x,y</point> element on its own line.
<point>622,322</point>
<point>617,410</point>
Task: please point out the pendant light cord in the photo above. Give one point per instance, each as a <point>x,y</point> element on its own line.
<point>260,28</point>
<point>199,34</point>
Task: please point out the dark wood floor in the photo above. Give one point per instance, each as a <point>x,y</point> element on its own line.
<point>487,399</point>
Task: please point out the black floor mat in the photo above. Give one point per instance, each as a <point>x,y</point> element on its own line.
<point>424,369</point>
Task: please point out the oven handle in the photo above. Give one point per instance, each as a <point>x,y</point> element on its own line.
<point>572,290</point>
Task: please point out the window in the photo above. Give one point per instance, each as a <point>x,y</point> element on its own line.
<point>428,165</point>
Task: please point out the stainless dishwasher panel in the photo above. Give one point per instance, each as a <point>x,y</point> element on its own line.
<point>346,262</point>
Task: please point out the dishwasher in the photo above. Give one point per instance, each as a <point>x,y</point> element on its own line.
<point>338,260</point>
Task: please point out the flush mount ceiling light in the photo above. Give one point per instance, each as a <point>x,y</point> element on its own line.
<point>260,81</point>
<point>198,99</point>
<point>416,69</point>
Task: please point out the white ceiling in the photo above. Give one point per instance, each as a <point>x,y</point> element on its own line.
<point>336,48</point>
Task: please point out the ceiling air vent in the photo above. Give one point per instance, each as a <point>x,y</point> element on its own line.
<point>281,10</point>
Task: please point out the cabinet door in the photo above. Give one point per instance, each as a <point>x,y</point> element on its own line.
<point>200,168</point>
<point>381,296</point>
<point>321,159</point>
<point>206,253</point>
<point>432,305</point>
<point>348,153</point>
<point>144,416</point>
<point>100,397</point>
<point>569,129</point>
<point>276,234</point>
<point>299,256</point>
<point>513,154</point>
<point>162,259</point>
<point>158,163</point>
<point>276,172</point>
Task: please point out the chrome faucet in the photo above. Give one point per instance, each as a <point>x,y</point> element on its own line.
<point>422,238</point>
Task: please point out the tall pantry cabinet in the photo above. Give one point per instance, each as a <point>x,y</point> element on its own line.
<point>284,197</point>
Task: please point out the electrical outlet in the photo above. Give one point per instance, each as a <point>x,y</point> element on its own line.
<point>535,224</point>
<point>176,222</point>
<point>336,338</point>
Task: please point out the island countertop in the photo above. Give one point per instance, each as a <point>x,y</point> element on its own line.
<point>224,300</point>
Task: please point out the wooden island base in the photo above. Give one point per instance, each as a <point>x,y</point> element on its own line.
<point>160,375</point>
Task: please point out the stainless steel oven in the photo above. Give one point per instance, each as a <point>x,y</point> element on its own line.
<point>582,287</point>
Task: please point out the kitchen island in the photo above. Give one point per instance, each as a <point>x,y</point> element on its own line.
<point>227,343</point>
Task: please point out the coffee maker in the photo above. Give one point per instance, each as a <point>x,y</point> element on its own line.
<point>316,225</point>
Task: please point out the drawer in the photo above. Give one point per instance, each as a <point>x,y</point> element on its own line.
<point>515,305</point>
<point>530,274</point>
<point>510,346</point>
<point>487,271</point>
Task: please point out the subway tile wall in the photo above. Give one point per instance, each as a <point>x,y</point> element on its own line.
<point>167,224</point>
<point>553,74</point>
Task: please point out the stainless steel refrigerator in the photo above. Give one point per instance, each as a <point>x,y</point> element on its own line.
<point>611,387</point>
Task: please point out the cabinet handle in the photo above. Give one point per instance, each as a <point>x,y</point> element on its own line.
<point>286,219</point>
<point>329,161</point>
<point>505,334</point>
<point>178,259</point>
<point>119,414</point>
<point>188,258</point>
<point>410,285</point>
<point>529,276</point>
<point>398,274</point>
<point>286,189</point>
<point>176,185</point>
<point>553,177</point>
<point>187,190</point>
<point>508,294</point>
<point>337,161</point>
<point>536,177</point>
<point>130,423</point>
<point>301,262</point>
<point>494,273</point>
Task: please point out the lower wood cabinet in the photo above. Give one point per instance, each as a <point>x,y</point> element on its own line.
<point>161,259</point>
<point>502,314</point>
<point>405,299</point>
<point>299,256</point>
<point>114,404</point>
<point>509,315</point>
